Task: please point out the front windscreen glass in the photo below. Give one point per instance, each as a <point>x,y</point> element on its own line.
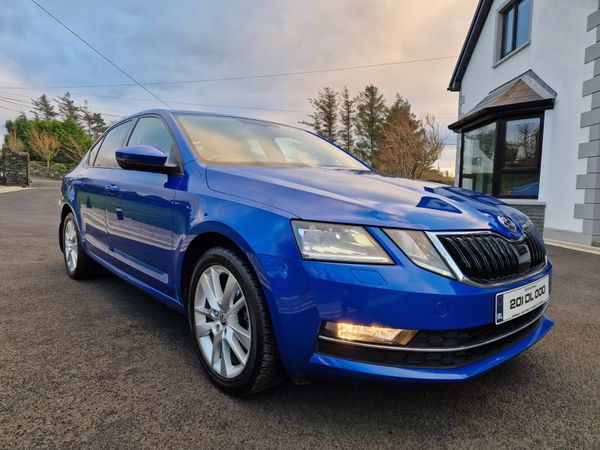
<point>236,141</point>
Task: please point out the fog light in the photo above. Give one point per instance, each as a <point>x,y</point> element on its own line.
<point>371,334</point>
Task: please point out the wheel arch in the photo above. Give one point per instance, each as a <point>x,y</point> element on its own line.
<point>211,238</point>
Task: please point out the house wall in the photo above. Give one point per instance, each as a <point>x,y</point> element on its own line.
<point>590,151</point>
<point>556,53</point>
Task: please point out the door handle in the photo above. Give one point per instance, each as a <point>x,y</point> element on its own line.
<point>111,188</point>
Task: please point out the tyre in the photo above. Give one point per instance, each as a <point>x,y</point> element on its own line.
<point>231,324</point>
<point>78,264</point>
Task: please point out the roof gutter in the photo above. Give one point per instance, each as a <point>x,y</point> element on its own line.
<point>481,13</point>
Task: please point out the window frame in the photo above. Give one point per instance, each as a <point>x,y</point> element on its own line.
<point>502,12</point>
<point>103,138</point>
<point>92,152</point>
<point>499,153</point>
<point>175,154</point>
<point>462,149</point>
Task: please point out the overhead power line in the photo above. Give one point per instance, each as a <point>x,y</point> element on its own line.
<point>242,77</point>
<point>176,102</point>
<point>9,109</point>
<point>14,101</point>
<point>98,52</point>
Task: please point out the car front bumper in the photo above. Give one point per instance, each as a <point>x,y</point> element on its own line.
<point>320,365</point>
<point>302,295</point>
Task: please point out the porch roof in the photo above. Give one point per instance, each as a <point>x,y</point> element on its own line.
<point>525,93</point>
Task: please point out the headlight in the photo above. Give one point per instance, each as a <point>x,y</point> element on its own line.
<point>417,246</point>
<point>337,242</point>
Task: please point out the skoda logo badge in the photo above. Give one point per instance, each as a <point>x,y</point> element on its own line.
<point>507,223</point>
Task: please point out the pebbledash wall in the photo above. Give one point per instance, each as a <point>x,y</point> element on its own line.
<point>564,42</point>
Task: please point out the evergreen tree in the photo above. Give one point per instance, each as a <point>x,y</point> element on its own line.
<point>346,132</point>
<point>67,107</point>
<point>370,115</point>
<point>42,108</point>
<point>401,108</point>
<point>94,122</point>
<point>324,118</point>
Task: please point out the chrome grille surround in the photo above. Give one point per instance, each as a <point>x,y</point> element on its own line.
<point>488,259</point>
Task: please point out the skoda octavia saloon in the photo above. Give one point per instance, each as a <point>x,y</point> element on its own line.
<point>290,256</point>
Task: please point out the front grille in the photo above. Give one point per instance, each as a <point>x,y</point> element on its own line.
<point>490,258</point>
<point>432,339</point>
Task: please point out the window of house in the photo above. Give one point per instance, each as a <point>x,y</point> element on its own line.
<point>479,149</point>
<point>516,26</point>
<point>503,158</point>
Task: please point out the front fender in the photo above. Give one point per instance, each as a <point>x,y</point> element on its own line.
<point>265,237</point>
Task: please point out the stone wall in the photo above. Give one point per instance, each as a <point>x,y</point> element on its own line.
<point>14,169</point>
<point>44,172</point>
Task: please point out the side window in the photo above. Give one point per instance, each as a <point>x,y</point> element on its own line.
<point>152,131</point>
<point>93,152</point>
<point>112,142</point>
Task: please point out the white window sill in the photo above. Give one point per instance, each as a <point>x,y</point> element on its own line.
<point>514,52</point>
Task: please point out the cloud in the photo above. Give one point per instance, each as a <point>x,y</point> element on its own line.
<point>155,40</point>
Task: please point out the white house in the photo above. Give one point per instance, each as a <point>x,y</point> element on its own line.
<point>529,111</point>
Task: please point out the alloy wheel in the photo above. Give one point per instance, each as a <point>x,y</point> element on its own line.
<point>222,322</point>
<point>71,245</point>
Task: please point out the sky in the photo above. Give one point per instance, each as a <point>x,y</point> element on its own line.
<point>157,41</point>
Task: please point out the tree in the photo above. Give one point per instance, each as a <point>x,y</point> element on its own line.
<point>74,141</point>
<point>94,122</point>
<point>74,149</point>
<point>370,114</point>
<point>346,113</point>
<point>324,118</point>
<point>67,107</point>
<point>73,138</point>
<point>42,108</point>
<point>13,143</point>
<point>408,152</point>
<point>401,107</point>
<point>44,144</point>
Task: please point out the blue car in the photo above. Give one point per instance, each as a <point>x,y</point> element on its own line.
<point>290,256</point>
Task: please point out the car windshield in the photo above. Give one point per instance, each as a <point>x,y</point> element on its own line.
<point>236,141</point>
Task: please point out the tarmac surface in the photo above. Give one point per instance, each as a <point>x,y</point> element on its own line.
<point>101,365</point>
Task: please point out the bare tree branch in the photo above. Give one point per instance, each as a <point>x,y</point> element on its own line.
<point>44,144</point>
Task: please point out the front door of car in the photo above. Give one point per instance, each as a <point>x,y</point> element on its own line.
<point>90,189</point>
<point>140,212</point>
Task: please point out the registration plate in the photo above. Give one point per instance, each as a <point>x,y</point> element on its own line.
<point>516,302</point>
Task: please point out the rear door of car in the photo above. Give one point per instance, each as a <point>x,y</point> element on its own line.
<point>139,212</point>
<point>91,189</point>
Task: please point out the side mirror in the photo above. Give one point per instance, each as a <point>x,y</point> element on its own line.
<point>145,158</point>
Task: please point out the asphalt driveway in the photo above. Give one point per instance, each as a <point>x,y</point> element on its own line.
<point>100,364</point>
